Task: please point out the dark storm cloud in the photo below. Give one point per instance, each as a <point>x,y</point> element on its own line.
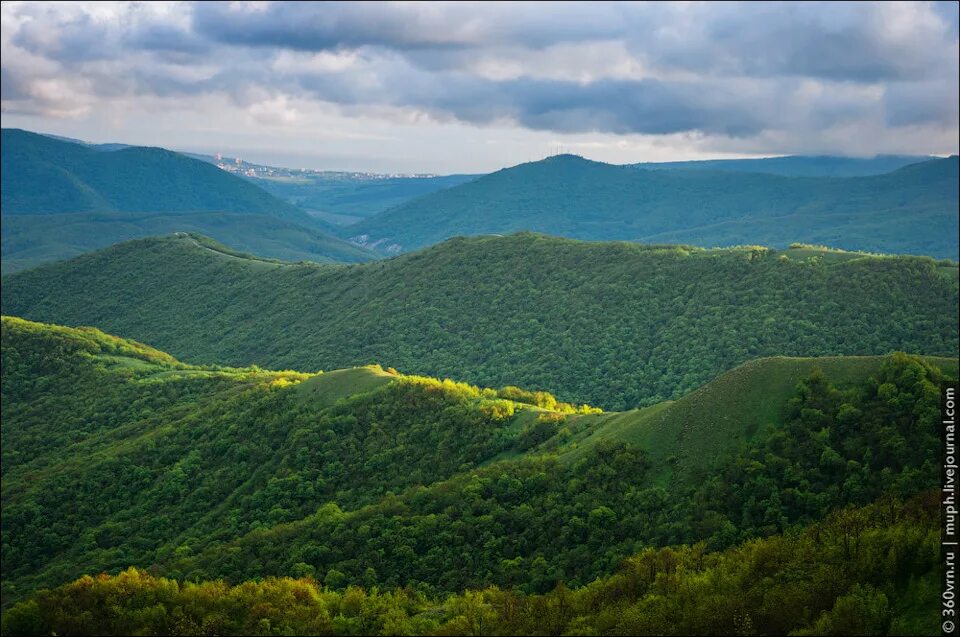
<point>833,40</point>
<point>732,70</point>
<point>327,25</point>
<point>616,106</point>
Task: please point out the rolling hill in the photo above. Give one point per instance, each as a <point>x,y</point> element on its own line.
<point>200,445</point>
<point>617,325</point>
<point>369,477</point>
<point>60,199</point>
<point>687,436</point>
<point>912,210</point>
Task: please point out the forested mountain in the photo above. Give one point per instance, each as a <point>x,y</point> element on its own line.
<point>617,325</point>
<point>913,210</point>
<point>60,199</point>
<point>368,477</point>
<point>797,165</point>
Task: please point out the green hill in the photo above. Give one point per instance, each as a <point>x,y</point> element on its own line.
<point>116,454</point>
<point>685,437</point>
<point>327,389</point>
<point>912,210</point>
<point>529,521</point>
<point>617,325</point>
<point>133,434</point>
<point>60,199</point>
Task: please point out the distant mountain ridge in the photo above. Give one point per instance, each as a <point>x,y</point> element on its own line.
<point>911,210</point>
<point>797,165</point>
<point>42,175</point>
<point>62,198</point>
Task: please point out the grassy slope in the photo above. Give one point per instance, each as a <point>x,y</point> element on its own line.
<point>685,437</point>
<point>573,197</point>
<point>614,325</point>
<point>326,389</point>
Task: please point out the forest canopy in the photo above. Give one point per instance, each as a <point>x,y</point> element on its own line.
<point>614,325</point>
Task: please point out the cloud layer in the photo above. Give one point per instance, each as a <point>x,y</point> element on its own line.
<point>741,78</point>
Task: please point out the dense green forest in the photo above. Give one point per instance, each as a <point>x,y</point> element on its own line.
<point>369,478</point>
<point>554,515</point>
<point>61,199</point>
<point>572,197</point>
<point>100,434</point>
<point>616,325</point>
<point>870,570</point>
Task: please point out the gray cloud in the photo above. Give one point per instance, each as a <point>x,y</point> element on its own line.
<point>773,71</point>
<point>327,25</point>
<point>853,41</point>
<point>858,41</point>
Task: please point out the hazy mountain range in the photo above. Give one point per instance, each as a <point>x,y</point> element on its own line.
<point>112,192</point>
<point>911,210</point>
<point>61,198</point>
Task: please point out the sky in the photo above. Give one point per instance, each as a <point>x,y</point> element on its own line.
<point>473,87</point>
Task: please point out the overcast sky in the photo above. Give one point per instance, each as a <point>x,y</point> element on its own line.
<point>471,87</point>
